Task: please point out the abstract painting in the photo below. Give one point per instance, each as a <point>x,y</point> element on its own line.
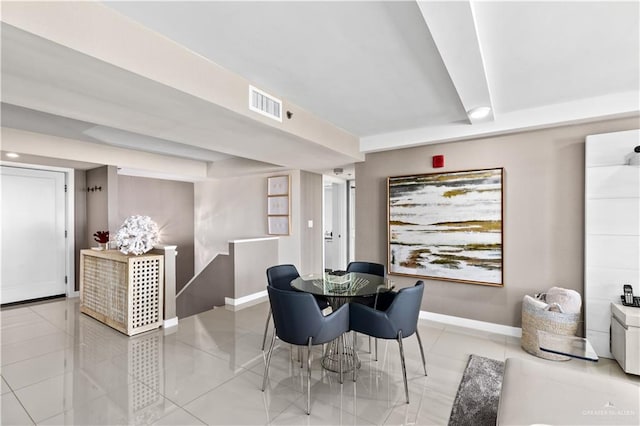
<point>447,226</point>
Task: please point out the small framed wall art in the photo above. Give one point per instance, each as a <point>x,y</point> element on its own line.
<point>278,225</point>
<point>278,185</point>
<point>278,205</point>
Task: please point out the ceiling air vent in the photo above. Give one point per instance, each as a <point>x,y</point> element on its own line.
<point>265,104</point>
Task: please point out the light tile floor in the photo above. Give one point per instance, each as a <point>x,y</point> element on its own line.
<point>62,367</point>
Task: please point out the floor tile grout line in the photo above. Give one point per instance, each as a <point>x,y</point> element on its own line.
<point>65,371</point>
<point>39,355</point>
<point>24,408</point>
<point>64,411</point>
<point>39,381</point>
<point>105,394</point>
<point>235,376</point>
<point>291,404</point>
<point>47,319</point>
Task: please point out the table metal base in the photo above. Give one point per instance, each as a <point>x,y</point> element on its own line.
<point>332,355</point>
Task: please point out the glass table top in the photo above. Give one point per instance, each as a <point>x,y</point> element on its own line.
<point>573,346</point>
<point>348,285</point>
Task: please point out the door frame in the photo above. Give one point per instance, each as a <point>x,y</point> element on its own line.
<point>69,181</point>
<point>342,212</point>
<point>351,219</point>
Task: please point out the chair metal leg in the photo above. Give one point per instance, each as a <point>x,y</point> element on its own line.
<point>404,367</point>
<point>341,354</point>
<point>300,357</point>
<point>375,348</point>
<point>266,328</point>
<point>266,367</point>
<point>424,363</point>
<point>309,377</point>
<point>375,306</point>
<point>355,363</point>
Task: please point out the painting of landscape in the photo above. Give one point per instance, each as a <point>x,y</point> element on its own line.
<point>447,226</point>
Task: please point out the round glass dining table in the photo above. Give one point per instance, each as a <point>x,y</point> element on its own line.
<point>341,289</point>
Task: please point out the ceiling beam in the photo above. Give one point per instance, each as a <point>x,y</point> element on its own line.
<point>607,107</point>
<point>453,29</point>
<point>39,144</point>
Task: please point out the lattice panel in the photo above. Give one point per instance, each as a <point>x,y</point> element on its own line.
<point>145,288</point>
<point>104,287</point>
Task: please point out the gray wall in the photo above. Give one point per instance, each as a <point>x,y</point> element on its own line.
<point>311,209</point>
<point>80,219</point>
<point>543,214</point>
<point>208,289</point>
<point>170,204</point>
<point>97,203</point>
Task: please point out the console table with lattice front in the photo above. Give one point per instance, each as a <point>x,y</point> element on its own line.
<point>122,291</point>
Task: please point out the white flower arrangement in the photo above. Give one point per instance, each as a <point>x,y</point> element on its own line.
<point>137,235</point>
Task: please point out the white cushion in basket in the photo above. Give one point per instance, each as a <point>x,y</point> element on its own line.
<point>569,300</point>
<point>536,303</point>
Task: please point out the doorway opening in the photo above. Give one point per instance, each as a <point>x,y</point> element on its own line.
<point>338,222</point>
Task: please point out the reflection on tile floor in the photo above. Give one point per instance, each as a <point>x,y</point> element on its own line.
<point>62,367</point>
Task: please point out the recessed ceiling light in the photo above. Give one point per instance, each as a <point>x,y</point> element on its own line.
<point>479,112</point>
<point>12,155</point>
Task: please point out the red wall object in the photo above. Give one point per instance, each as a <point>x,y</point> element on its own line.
<point>438,161</point>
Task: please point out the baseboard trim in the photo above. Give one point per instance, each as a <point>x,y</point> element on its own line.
<point>171,322</point>
<point>432,316</point>
<point>474,324</point>
<point>36,300</point>
<point>245,299</point>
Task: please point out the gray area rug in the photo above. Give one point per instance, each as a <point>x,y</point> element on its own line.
<point>476,402</point>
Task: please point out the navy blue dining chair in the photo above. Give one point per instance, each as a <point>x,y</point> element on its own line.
<point>397,321</point>
<point>372,301</point>
<point>299,321</point>
<point>366,268</point>
<point>280,276</point>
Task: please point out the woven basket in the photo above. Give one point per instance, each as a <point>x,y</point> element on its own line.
<point>534,319</point>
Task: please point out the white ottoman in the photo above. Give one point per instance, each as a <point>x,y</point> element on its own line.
<point>539,393</point>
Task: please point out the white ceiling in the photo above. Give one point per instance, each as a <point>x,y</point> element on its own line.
<point>394,74</point>
<point>368,67</point>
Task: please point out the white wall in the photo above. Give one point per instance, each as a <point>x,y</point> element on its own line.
<point>236,208</point>
<point>612,229</point>
<point>311,214</point>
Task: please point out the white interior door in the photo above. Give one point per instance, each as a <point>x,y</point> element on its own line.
<point>32,250</point>
<point>340,224</point>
